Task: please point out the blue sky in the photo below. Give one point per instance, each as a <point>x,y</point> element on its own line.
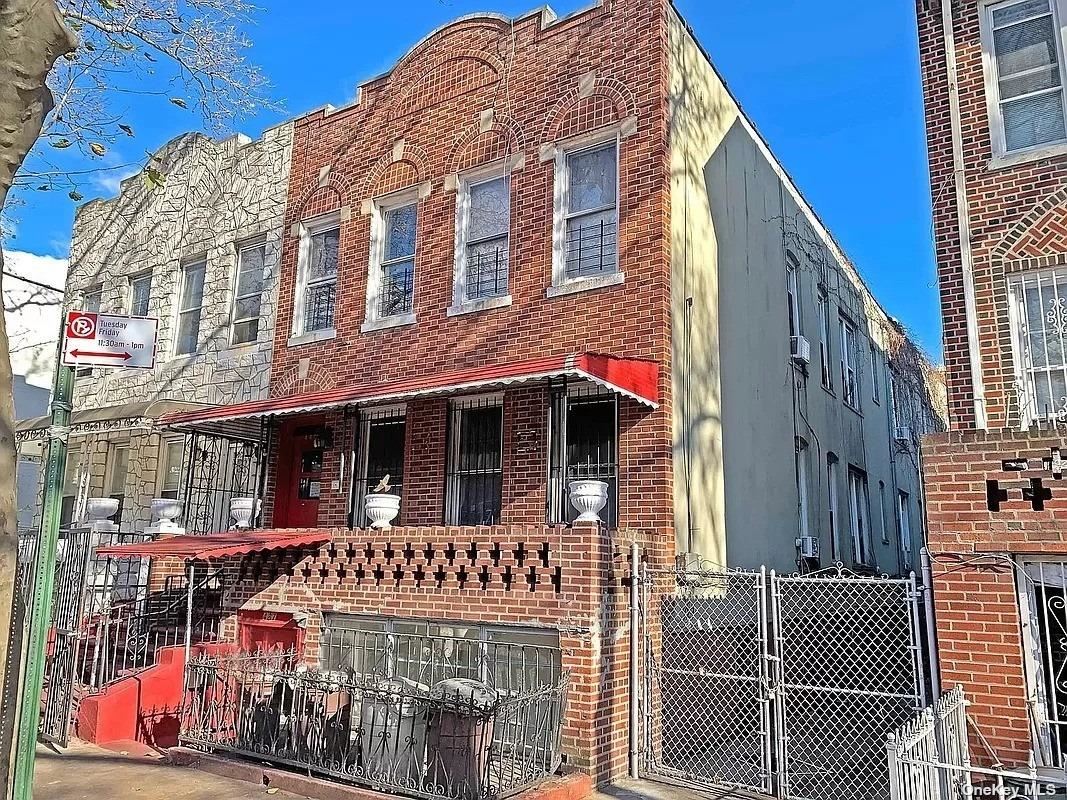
<point>833,86</point>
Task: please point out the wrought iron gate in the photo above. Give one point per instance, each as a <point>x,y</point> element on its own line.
<point>57,696</point>
<point>783,685</point>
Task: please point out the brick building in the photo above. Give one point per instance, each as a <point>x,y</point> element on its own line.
<point>992,76</point>
<point>538,251</point>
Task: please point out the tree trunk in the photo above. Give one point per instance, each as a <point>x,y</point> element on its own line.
<point>32,36</point>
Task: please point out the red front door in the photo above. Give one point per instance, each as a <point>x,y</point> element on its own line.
<point>299,481</point>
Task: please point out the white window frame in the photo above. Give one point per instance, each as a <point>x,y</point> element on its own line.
<point>242,248</point>
<point>456,408</point>
<point>1001,155</point>
<point>850,377</point>
<point>180,309</point>
<point>859,517</point>
<point>164,463</point>
<point>802,486</point>
<point>140,276</point>
<point>1052,285</point>
<point>904,524</point>
<point>369,415</point>
<point>307,229</point>
<point>113,451</point>
<point>825,338</point>
<point>561,284</point>
<point>379,207</point>
<point>461,304</point>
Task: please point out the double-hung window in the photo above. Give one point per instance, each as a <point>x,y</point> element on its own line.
<point>849,376</point>
<point>483,226</point>
<point>802,485</point>
<point>824,339</point>
<point>190,308</point>
<point>1038,315</point>
<point>140,294</point>
<point>792,290</point>
<point>859,506</point>
<point>248,294</point>
<point>588,212</point>
<point>117,470</point>
<point>832,503</point>
<point>1023,44</point>
<point>475,461</point>
<point>91,300</point>
<point>170,478</point>
<point>316,297</point>
<point>876,383</point>
<point>904,512</point>
<point>391,282</point>
<point>583,446</point>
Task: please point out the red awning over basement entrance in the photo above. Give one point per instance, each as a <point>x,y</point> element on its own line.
<point>217,545</point>
<point>630,377</point>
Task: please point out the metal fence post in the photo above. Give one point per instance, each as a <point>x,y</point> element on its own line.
<point>635,668</point>
<point>931,624</point>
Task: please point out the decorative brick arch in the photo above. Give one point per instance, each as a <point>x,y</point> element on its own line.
<point>414,155</point>
<point>608,101</point>
<point>318,379</point>
<point>449,75</point>
<point>1039,238</point>
<point>475,146</point>
<point>328,195</point>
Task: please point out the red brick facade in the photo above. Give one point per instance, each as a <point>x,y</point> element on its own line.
<point>1015,212</point>
<point>477,91</point>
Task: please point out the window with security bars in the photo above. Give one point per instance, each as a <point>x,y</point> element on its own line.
<point>396,278</point>
<point>140,294</point>
<point>381,454</point>
<point>591,211</point>
<point>1023,46</point>
<point>583,445</point>
<point>190,308</point>
<point>248,294</point>
<point>320,279</point>
<point>427,652</point>
<point>485,229</point>
<point>475,462</point>
<point>1038,315</point>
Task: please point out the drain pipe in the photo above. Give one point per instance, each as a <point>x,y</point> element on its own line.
<point>962,220</point>
<point>933,658</point>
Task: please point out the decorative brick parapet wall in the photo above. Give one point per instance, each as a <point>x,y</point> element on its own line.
<point>570,579</point>
<point>973,547</point>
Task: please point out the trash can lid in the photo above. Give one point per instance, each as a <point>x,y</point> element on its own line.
<point>466,693</point>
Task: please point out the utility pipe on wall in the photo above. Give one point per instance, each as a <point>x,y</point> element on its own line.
<point>962,221</point>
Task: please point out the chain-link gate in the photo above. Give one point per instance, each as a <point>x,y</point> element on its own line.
<point>782,685</point>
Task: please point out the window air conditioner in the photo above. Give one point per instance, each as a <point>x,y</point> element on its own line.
<point>808,546</point>
<point>799,349</point>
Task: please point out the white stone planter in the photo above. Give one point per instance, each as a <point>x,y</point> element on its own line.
<point>589,498</point>
<point>243,511</point>
<point>165,510</point>
<point>382,509</point>
<point>101,509</point>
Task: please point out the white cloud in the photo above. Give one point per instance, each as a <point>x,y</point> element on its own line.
<point>110,181</point>
<point>33,322</point>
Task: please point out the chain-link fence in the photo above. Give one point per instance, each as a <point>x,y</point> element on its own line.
<point>783,685</point>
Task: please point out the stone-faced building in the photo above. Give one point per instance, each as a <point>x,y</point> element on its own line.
<point>540,250</point>
<point>197,247</point>
<point>997,137</point>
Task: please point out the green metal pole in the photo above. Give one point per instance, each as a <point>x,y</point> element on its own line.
<point>41,610</point>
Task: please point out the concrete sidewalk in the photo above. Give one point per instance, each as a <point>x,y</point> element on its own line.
<point>85,772</point>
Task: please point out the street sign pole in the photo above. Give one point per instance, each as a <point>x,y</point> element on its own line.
<point>40,612</point>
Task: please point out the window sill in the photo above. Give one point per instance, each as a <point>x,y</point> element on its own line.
<point>323,335</point>
<point>389,322</point>
<point>1005,160</point>
<point>575,285</point>
<point>474,306</point>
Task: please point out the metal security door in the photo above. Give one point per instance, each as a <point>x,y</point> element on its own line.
<point>705,698</point>
<point>848,670</point>
<point>57,695</point>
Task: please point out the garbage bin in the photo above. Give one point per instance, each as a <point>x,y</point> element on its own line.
<point>392,733</point>
<point>459,737</point>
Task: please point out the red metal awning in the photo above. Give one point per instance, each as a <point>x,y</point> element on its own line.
<point>217,545</point>
<point>631,377</point>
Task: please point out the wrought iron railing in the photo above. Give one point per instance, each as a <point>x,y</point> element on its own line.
<point>929,759</point>
<point>459,739</point>
<point>125,637</point>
